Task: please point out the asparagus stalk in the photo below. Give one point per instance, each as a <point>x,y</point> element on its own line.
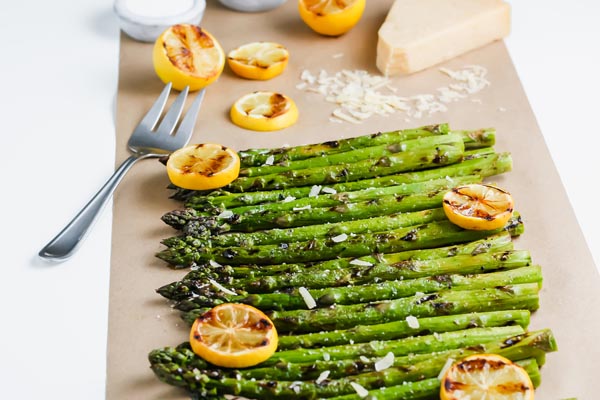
<point>373,151</point>
<point>521,296</point>
<point>434,234</point>
<point>371,194</point>
<point>448,302</point>
<point>188,288</point>
<point>495,243</point>
<point>194,237</point>
<point>277,215</point>
<point>528,345</point>
<point>430,388</point>
<point>486,165</point>
<point>351,273</point>
<point>401,329</point>
<point>415,155</point>
<point>387,290</point>
<point>178,219</point>
<point>532,345</point>
<point>195,380</point>
<point>253,157</point>
<point>257,157</point>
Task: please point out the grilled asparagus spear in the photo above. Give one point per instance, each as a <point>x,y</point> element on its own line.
<point>386,290</point>
<point>509,297</point>
<point>433,234</point>
<point>486,165</point>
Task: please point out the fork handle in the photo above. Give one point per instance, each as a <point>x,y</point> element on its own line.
<point>66,242</point>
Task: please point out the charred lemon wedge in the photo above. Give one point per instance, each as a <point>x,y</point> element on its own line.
<point>478,206</point>
<point>486,376</point>
<point>331,17</point>
<point>258,60</point>
<point>234,336</point>
<point>203,166</point>
<point>187,55</point>
<point>264,111</point>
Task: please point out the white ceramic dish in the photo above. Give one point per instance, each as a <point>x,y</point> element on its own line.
<point>145,20</point>
<point>252,5</point>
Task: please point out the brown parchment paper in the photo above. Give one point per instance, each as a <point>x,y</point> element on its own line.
<point>140,320</point>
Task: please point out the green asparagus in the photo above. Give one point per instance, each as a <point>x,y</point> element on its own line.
<point>353,273</point>
<point>401,329</point>
<point>194,237</point>
<point>256,157</point>
<point>520,296</point>
<point>434,234</point>
<point>307,389</point>
<point>386,290</point>
<point>373,151</point>
<point>447,302</point>
<point>187,288</point>
<point>430,388</point>
<point>495,243</point>
<point>529,345</point>
<point>484,166</point>
<point>417,154</point>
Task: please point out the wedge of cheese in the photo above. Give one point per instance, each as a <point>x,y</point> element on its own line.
<point>418,34</point>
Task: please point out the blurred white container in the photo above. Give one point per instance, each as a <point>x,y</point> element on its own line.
<point>252,5</point>
<point>145,20</point>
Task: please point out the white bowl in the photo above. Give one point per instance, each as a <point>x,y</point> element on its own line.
<point>252,5</point>
<point>145,20</point>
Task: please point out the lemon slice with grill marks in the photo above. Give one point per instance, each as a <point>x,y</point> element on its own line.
<point>331,17</point>
<point>188,55</point>
<point>258,60</point>
<point>203,166</point>
<point>486,376</point>
<point>264,111</point>
<point>234,336</point>
<point>478,206</point>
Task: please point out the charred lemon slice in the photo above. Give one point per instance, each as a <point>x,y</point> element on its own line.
<point>187,55</point>
<point>258,60</point>
<point>486,376</point>
<point>203,166</point>
<point>478,206</point>
<point>234,336</point>
<point>264,111</point>
<point>331,17</point>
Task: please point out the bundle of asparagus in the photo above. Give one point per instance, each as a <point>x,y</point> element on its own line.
<point>345,246</point>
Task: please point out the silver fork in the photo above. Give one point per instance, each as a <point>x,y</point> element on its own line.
<point>145,142</point>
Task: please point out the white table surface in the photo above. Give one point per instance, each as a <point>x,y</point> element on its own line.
<point>59,80</point>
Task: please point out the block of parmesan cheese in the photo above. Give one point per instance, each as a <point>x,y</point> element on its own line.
<point>418,34</point>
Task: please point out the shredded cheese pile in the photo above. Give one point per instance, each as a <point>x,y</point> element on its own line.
<point>360,95</point>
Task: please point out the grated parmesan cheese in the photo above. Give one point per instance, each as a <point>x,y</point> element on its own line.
<point>307,207</point>
<point>324,375</point>
<point>307,297</point>
<point>214,264</point>
<point>360,263</point>
<point>360,390</point>
<point>445,368</point>
<point>329,190</point>
<point>222,288</point>
<point>295,386</point>
<point>270,160</point>
<point>225,214</point>
<point>314,191</point>
<point>288,199</point>
<point>385,362</point>
<point>359,95</point>
<point>339,238</point>
<point>412,322</point>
